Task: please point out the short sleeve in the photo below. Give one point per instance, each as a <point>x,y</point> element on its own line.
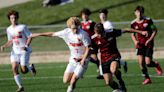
<point>27,32</point>
<point>108,25</point>
<point>86,39</point>
<point>61,34</point>
<point>9,37</point>
<point>151,25</point>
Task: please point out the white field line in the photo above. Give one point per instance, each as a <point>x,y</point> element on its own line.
<point>86,76</point>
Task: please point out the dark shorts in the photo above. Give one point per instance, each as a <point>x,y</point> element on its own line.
<point>147,52</point>
<point>106,65</point>
<point>94,50</point>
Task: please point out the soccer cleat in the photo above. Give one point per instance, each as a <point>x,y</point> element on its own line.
<point>147,81</point>
<point>158,69</point>
<point>20,89</point>
<point>33,70</point>
<point>117,90</point>
<point>100,77</point>
<point>125,67</point>
<point>69,89</point>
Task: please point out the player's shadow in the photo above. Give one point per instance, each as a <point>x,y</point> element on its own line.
<point>95,11</point>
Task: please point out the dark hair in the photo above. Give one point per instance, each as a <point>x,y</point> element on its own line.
<point>105,11</point>
<point>85,11</point>
<point>99,27</point>
<point>13,12</point>
<point>139,8</point>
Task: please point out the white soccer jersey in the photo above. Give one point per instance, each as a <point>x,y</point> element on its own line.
<point>75,42</point>
<point>19,35</point>
<point>108,26</point>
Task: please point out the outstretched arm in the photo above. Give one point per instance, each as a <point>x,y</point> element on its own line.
<point>49,34</point>
<point>128,30</point>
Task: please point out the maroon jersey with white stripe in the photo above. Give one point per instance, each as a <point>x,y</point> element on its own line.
<point>88,26</point>
<point>107,45</point>
<point>145,25</point>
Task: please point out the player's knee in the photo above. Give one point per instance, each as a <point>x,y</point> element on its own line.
<point>65,81</point>
<point>24,70</point>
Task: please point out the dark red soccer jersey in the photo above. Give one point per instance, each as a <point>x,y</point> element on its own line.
<point>145,25</point>
<point>107,45</point>
<point>88,26</point>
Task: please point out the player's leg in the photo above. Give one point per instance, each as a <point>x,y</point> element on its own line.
<point>78,73</point>
<point>15,65</point>
<point>108,76</point>
<point>24,62</point>
<point>109,81</point>
<point>94,59</point>
<point>150,63</point>
<point>124,64</point>
<point>141,61</point>
<point>114,70</point>
<point>68,73</point>
<point>141,52</point>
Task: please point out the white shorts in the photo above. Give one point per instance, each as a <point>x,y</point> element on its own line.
<point>22,58</point>
<point>76,68</point>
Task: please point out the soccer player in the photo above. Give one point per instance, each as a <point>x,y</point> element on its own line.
<point>144,45</point>
<point>110,56</point>
<point>103,13</point>
<point>79,43</point>
<point>88,26</point>
<point>19,37</point>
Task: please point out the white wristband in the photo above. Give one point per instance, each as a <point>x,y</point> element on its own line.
<point>26,46</point>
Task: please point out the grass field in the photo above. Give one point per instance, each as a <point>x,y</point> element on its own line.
<point>32,13</point>
<point>49,79</point>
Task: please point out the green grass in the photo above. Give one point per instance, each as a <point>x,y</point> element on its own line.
<point>32,13</point>
<point>49,79</point>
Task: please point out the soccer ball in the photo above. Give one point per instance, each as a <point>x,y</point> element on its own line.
<point>117,90</point>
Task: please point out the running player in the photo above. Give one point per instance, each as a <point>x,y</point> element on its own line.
<point>103,13</point>
<point>19,36</point>
<point>88,26</point>
<point>78,42</point>
<point>110,56</point>
<point>144,45</point>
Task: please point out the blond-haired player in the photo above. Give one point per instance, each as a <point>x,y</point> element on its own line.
<point>78,42</point>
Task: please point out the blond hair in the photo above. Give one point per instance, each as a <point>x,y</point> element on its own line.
<point>73,22</point>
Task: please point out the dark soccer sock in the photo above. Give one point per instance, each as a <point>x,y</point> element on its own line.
<point>121,82</point>
<point>145,72</point>
<point>118,75</point>
<point>94,61</point>
<point>113,85</point>
<point>152,64</point>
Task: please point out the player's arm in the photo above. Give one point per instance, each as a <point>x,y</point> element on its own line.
<point>154,30</point>
<point>48,34</point>
<point>7,44</point>
<point>87,43</point>
<point>133,36</point>
<point>85,55</point>
<point>128,30</point>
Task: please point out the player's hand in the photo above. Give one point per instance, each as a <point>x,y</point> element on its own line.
<point>144,33</point>
<point>24,48</point>
<point>147,42</point>
<point>136,43</point>
<point>2,48</point>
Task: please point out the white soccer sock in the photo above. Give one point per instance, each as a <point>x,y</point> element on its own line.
<point>18,80</point>
<point>29,68</point>
<point>69,89</point>
<point>122,62</point>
